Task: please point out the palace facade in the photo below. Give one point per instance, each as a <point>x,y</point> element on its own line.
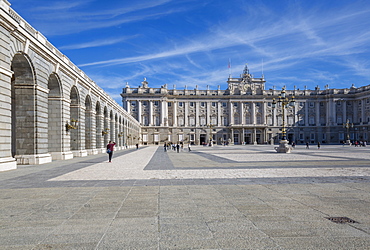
<point>244,114</point>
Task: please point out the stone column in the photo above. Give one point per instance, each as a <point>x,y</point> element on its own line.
<point>219,112</point>
<point>253,115</point>
<point>306,113</point>
<point>7,162</point>
<point>317,108</point>
<point>128,107</point>
<point>150,113</point>
<point>242,118</point>
<point>196,114</point>
<point>208,115</point>
<point>139,111</point>
<point>344,119</point>
<point>363,120</point>
<point>231,115</point>
<point>174,114</point>
<point>186,113</point>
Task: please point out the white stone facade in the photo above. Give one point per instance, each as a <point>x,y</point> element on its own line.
<point>243,114</point>
<point>42,94</point>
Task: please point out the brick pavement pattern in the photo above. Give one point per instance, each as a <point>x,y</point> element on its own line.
<point>234,197</point>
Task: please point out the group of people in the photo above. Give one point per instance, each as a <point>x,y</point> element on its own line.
<point>175,146</point>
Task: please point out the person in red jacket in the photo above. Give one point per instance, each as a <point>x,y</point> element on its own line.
<point>110,148</point>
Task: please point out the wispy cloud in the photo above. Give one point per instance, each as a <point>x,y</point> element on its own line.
<point>97,43</point>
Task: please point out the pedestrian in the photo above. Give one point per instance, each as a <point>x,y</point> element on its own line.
<point>165,147</point>
<point>137,145</point>
<point>318,145</point>
<point>189,147</point>
<point>307,145</point>
<point>293,144</point>
<point>178,147</point>
<point>110,148</point>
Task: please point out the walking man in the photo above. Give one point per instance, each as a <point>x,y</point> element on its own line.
<point>110,148</point>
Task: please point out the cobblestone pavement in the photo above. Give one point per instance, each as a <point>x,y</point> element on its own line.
<point>233,197</point>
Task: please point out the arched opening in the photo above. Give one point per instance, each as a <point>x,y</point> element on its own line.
<point>88,123</point>
<point>98,125</point>
<point>111,125</point>
<point>55,122</point>
<point>74,116</point>
<point>106,126</point>
<point>22,107</point>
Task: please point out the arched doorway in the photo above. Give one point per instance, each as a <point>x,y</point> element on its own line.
<point>55,114</point>
<point>88,123</point>
<point>74,117</point>
<point>98,125</point>
<point>22,107</point>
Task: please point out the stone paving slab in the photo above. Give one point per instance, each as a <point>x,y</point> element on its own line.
<point>235,197</point>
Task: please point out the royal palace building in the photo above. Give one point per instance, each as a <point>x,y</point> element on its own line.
<point>244,113</point>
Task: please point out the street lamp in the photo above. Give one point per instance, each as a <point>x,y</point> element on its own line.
<point>210,134</point>
<point>285,103</point>
<point>348,125</point>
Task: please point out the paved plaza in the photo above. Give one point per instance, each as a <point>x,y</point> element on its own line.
<point>221,197</point>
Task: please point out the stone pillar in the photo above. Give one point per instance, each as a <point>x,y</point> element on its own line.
<point>196,114</point>
<point>219,112</point>
<point>317,108</point>
<point>208,115</point>
<point>344,103</point>
<point>7,162</point>
<point>253,115</point>
<point>306,121</point>
<point>242,118</point>
<point>174,114</point>
<point>139,111</point>
<point>150,113</point>
<point>186,113</point>
<point>231,115</point>
<point>128,107</point>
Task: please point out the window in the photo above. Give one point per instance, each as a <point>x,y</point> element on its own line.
<point>312,120</point>
<point>133,103</point>
<point>156,103</point>
<point>213,120</point>
<point>213,104</point>
<point>235,104</point>
<point>202,121</point>
<point>312,136</point>
<point>192,121</point>
<point>259,119</point>
<point>290,120</point>
<point>181,121</point>
<point>225,121</point>
<point>339,120</point>
<point>312,104</point>
<point>169,104</point>
<point>191,104</point>
<point>258,104</point>
<point>236,120</point>
<point>202,104</point>
<point>181,104</point>
<point>224,104</point>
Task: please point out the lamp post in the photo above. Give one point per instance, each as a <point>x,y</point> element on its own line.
<point>210,134</point>
<point>348,125</point>
<point>285,103</point>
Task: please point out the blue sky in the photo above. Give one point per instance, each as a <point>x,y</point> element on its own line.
<point>190,42</point>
